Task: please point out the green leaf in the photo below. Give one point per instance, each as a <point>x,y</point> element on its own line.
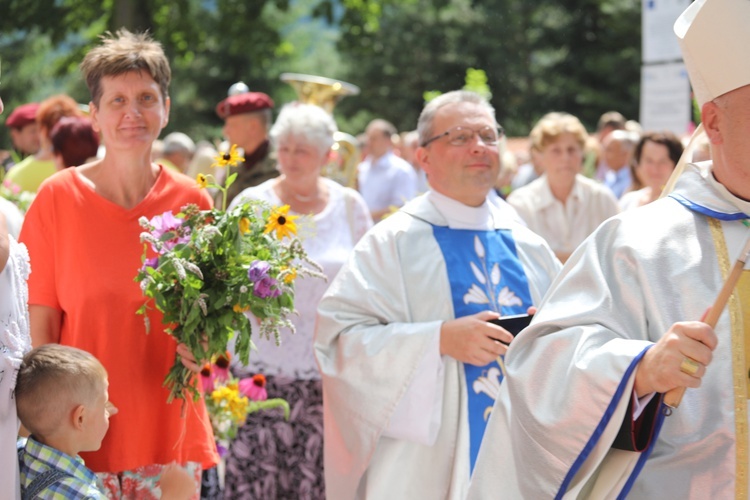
<point>230,180</point>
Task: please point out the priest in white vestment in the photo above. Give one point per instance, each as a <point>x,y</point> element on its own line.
<point>409,362</point>
<point>581,412</point>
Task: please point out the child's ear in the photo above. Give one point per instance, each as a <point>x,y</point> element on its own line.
<point>78,416</point>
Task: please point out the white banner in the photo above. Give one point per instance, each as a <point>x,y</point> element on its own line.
<point>665,98</point>
<point>659,40</point>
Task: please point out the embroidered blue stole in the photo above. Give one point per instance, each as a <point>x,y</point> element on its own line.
<point>484,274</point>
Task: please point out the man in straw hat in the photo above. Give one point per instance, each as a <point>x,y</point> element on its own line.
<point>582,411</point>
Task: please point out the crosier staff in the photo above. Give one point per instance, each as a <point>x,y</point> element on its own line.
<point>674,396</point>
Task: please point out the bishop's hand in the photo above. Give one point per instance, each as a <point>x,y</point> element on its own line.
<point>678,359</point>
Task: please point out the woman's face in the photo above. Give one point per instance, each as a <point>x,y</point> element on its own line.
<point>131,112</point>
<point>562,158</point>
<point>655,166</point>
<point>298,159</point>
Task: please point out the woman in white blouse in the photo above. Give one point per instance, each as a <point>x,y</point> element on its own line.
<point>272,458</point>
<point>562,206</point>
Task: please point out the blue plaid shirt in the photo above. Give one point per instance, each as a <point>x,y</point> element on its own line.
<point>79,481</point>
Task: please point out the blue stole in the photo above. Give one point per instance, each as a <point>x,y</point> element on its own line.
<point>484,274</point>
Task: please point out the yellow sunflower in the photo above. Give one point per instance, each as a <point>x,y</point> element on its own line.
<point>244,225</point>
<point>281,222</point>
<point>232,158</point>
<point>202,181</point>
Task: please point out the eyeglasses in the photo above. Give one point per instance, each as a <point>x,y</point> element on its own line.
<point>460,136</point>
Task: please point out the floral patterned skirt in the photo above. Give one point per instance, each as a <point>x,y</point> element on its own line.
<point>276,459</point>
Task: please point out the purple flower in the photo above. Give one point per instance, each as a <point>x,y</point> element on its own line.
<point>221,450</point>
<point>258,270</point>
<point>266,288</point>
<point>168,223</point>
<point>153,262</point>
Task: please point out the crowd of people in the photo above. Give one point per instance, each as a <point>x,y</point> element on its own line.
<point>404,377</point>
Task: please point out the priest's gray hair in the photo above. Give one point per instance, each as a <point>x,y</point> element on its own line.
<point>424,125</point>
<point>306,123</point>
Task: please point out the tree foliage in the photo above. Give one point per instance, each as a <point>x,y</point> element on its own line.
<point>580,56</point>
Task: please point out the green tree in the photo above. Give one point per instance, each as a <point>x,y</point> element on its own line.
<point>580,56</point>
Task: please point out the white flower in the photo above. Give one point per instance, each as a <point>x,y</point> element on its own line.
<point>478,247</point>
<point>489,384</point>
<point>243,289</point>
<point>179,269</point>
<point>477,273</point>
<point>476,295</point>
<point>192,268</point>
<point>508,298</point>
<point>495,274</point>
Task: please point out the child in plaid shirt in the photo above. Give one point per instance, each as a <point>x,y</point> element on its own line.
<point>62,399</point>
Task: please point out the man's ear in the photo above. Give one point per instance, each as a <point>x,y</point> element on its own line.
<point>78,417</point>
<point>422,155</point>
<point>711,118</point>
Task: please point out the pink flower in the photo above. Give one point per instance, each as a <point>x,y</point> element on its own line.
<point>221,368</point>
<point>169,230</point>
<point>254,388</point>
<point>207,378</point>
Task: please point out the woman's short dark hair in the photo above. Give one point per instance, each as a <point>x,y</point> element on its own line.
<point>665,138</point>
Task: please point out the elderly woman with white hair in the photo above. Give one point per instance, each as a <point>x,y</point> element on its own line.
<point>273,458</point>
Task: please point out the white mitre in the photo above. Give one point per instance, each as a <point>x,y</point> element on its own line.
<point>713,36</point>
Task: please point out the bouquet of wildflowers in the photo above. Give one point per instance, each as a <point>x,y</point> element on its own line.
<point>210,267</point>
<point>229,401</point>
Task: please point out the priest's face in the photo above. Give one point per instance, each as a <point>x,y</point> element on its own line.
<point>462,169</point>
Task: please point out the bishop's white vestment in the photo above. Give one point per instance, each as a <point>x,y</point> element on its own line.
<point>570,375</point>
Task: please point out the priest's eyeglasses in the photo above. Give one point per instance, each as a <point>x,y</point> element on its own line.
<point>461,136</point>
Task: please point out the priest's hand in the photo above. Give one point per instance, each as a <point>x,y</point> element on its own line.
<point>678,359</point>
<point>473,340</point>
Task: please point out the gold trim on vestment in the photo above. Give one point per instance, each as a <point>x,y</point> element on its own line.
<point>739,367</point>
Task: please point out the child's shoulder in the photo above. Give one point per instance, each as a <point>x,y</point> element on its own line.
<point>61,476</point>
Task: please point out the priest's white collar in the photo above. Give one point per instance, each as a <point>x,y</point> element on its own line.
<point>460,216</point>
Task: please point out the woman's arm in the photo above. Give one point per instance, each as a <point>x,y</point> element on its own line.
<point>45,323</point>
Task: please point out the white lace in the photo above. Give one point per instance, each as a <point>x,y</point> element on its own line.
<point>15,340</point>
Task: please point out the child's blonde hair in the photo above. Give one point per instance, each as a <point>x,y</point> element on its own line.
<point>53,380</point>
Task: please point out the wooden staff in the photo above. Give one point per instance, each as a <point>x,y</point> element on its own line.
<point>673,397</point>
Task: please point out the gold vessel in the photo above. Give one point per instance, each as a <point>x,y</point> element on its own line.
<point>326,93</point>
